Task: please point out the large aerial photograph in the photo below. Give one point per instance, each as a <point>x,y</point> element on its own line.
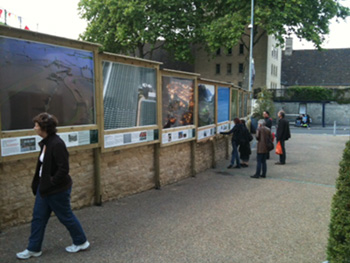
<point>37,77</point>
<point>129,96</point>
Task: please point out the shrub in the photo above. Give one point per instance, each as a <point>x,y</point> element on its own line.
<point>338,250</point>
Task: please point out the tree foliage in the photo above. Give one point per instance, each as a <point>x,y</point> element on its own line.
<point>339,229</point>
<point>263,103</point>
<point>129,25</point>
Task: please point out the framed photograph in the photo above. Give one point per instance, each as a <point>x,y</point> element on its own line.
<point>129,95</point>
<point>206,105</point>
<point>177,102</point>
<point>37,77</point>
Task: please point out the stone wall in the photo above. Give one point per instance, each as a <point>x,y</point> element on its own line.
<point>16,203</point>
<point>175,163</point>
<point>333,112</point>
<point>127,172</point>
<point>123,172</point>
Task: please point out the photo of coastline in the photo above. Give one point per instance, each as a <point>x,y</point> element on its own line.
<point>37,77</point>
<point>206,105</point>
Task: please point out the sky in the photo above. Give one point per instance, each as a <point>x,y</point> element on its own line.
<point>61,18</point>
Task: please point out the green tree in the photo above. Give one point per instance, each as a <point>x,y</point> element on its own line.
<point>136,27</point>
<point>264,102</point>
<point>339,229</point>
<point>129,25</point>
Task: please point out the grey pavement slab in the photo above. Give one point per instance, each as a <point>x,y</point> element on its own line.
<point>222,215</point>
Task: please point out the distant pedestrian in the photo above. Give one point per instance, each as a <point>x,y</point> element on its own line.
<point>52,187</point>
<point>282,135</point>
<point>237,132</point>
<point>244,146</point>
<point>263,134</point>
<point>268,124</point>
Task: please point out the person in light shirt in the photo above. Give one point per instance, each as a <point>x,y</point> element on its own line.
<point>52,186</point>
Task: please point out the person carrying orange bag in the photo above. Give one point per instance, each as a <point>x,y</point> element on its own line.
<point>282,135</point>
<point>279,150</point>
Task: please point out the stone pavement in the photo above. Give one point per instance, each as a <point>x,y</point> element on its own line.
<point>220,216</point>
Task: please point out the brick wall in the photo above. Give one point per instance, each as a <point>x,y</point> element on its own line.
<point>123,172</point>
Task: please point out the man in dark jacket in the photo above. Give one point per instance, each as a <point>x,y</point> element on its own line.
<point>282,135</point>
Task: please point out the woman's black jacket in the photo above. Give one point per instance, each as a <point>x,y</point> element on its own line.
<point>55,176</point>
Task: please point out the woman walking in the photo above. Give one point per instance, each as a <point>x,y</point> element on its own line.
<point>52,186</point>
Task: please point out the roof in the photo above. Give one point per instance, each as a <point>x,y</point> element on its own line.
<point>316,68</point>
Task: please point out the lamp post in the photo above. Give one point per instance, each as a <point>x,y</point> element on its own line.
<point>251,27</point>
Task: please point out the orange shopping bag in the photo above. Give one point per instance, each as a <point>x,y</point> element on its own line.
<point>279,148</point>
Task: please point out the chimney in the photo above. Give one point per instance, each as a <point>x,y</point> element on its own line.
<point>289,46</point>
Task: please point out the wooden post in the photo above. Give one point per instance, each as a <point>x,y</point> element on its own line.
<point>97,164</point>
<point>193,158</point>
<point>157,165</point>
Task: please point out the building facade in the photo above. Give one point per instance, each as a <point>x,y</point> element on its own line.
<point>231,65</point>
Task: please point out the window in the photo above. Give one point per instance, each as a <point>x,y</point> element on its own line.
<point>240,84</point>
<point>217,69</point>
<point>229,51</point>
<point>241,49</point>
<point>229,68</point>
<point>218,52</point>
<point>240,68</point>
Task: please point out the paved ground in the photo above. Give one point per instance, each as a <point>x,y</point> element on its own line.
<point>219,216</point>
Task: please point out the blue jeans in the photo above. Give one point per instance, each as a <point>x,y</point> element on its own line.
<point>60,205</point>
<point>235,155</point>
<point>261,158</point>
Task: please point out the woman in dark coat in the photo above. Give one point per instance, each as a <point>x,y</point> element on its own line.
<point>52,186</point>
<point>237,132</point>
<point>244,147</point>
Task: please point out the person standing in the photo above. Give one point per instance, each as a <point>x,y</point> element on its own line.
<point>268,124</point>
<point>52,187</point>
<point>263,134</point>
<point>244,147</point>
<point>237,132</point>
<point>282,135</point>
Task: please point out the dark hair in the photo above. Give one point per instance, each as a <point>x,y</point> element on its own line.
<point>243,121</point>
<point>236,121</point>
<point>47,122</point>
<point>268,113</point>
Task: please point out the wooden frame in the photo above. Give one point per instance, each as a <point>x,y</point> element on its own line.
<point>44,39</point>
<point>166,134</point>
<point>131,61</point>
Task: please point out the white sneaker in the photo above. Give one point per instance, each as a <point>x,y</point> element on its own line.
<point>73,248</point>
<point>28,254</point>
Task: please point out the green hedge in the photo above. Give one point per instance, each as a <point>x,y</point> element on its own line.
<point>338,250</point>
<point>309,93</point>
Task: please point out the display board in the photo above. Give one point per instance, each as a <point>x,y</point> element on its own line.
<point>38,77</point>
<point>223,104</point>
<point>177,102</point>
<point>129,96</point>
<point>206,105</point>
<point>234,104</point>
<point>29,144</point>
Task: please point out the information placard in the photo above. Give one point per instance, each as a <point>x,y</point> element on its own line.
<point>206,133</point>
<point>176,136</point>
<point>28,144</point>
<point>120,139</point>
